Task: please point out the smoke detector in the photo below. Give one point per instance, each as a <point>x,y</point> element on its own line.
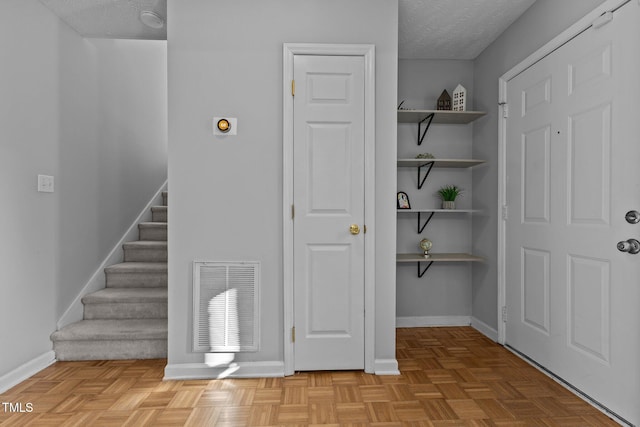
<point>151,19</point>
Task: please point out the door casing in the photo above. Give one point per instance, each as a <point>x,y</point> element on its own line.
<point>545,50</point>
<point>367,51</point>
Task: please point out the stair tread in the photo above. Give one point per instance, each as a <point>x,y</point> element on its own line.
<point>117,329</point>
<point>126,295</point>
<point>160,244</point>
<point>137,267</point>
<point>155,224</point>
<point>159,208</point>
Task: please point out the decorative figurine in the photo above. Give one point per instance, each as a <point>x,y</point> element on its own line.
<point>459,98</point>
<point>426,245</point>
<point>448,194</point>
<point>403,200</point>
<point>444,102</point>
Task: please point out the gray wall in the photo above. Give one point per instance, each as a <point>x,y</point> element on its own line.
<point>541,23</point>
<point>114,152</point>
<point>61,97</point>
<point>226,193</point>
<point>29,145</point>
<point>445,290</point>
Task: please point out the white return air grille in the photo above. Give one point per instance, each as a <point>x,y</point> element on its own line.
<point>225,309</point>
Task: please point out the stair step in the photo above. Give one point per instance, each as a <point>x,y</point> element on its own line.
<point>156,231</point>
<point>159,213</point>
<point>111,340</point>
<point>145,251</point>
<point>127,319</point>
<point>137,275</point>
<point>126,303</point>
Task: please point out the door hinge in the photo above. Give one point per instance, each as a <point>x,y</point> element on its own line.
<point>293,88</point>
<point>505,212</point>
<point>293,334</point>
<point>504,313</point>
<point>505,110</point>
<point>293,211</point>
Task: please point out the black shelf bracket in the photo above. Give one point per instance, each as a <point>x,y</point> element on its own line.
<point>422,134</point>
<point>421,227</point>
<point>421,181</point>
<point>421,273</point>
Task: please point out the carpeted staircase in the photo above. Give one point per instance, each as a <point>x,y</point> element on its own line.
<point>127,319</point>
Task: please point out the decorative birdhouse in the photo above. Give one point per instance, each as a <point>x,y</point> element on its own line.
<point>459,98</point>
<point>444,102</point>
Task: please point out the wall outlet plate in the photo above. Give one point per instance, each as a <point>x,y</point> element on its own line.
<point>233,129</point>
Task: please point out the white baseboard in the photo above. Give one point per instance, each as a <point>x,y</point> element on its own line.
<point>484,329</point>
<point>26,370</point>
<point>427,321</point>
<point>195,371</point>
<point>386,367</point>
<point>75,312</point>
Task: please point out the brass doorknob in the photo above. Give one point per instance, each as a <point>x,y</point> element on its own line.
<point>354,229</point>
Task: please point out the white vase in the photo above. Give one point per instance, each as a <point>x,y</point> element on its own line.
<point>446,204</point>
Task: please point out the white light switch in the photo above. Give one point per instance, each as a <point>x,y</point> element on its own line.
<point>45,184</point>
<point>233,126</point>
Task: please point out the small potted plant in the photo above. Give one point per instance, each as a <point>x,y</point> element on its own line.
<point>448,194</point>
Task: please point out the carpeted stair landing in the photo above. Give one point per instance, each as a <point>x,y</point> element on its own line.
<point>128,318</point>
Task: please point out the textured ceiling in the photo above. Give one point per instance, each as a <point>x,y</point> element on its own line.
<point>453,29</point>
<point>428,29</point>
<point>119,19</point>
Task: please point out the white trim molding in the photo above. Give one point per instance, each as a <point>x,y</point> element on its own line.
<point>545,50</point>
<point>194,371</point>
<point>26,370</point>
<point>386,367</point>
<point>75,311</point>
<point>431,321</point>
<point>484,329</point>
<point>367,51</point>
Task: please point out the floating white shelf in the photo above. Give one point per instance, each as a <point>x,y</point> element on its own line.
<point>438,210</point>
<point>452,257</point>
<point>419,259</point>
<point>431,213</point>
<point>439,116</point>
<point>429,164</point>
<point>439,163</point>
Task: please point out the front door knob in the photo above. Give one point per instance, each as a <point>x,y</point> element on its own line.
<point>354,229</point>
<point>632,246</point>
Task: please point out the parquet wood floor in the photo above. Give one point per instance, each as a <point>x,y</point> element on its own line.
<point>450,377</point>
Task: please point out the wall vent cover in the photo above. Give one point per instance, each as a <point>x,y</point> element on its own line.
<point>225,306</point>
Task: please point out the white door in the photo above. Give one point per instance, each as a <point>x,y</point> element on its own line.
<point>573,155</point>
<point>328,198</point>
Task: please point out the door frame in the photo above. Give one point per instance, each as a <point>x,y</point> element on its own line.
<point>367,51</point>
<point>564,37</point>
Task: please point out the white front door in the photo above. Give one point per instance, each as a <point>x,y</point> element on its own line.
<point>572,161</point>
<point>328,198</point>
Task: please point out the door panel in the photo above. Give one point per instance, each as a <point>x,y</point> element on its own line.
<point>328,198</point>
<point>535,170</point>
<point>589,166</point>
<point>329,151</point>
<point>588,311</point>
<point>535,289</point>
<point>571,158</point>
<point>329,300</point>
